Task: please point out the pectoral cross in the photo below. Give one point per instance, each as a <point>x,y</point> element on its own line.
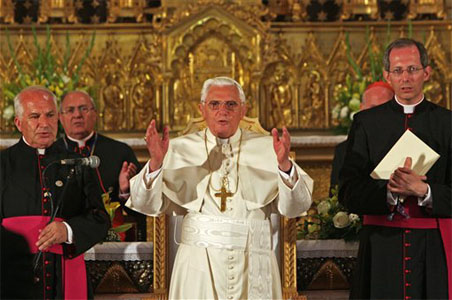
<point>223,194</point>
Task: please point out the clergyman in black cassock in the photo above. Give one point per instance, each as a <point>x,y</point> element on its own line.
<point>405,246</point>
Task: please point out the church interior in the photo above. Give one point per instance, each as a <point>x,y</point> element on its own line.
<point>299,62</point>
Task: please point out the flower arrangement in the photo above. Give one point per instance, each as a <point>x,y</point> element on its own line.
<point>348,101</point>
<point>111,207</point>
<point>329,220</point>
<point>45,71</point>
<point>348,96</point>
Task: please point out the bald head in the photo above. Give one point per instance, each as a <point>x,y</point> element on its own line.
<point>376,95</point>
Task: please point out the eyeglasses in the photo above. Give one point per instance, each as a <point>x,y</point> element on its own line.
<point>411,70</point>
<point>229,105</point>
<point>83,109</point>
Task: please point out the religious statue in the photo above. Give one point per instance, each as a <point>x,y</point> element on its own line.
<point>113,97</point>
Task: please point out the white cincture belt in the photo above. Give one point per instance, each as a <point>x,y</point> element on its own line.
<point>225,233</point>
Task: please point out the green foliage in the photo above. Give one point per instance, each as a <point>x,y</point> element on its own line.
<point>45,71</point>
<point>348,96</point>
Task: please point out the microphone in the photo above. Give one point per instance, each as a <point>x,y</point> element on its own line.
<point>92,161</point>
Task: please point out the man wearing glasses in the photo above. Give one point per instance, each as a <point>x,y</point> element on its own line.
<point>50,213</point>
<point>226,181</point>
<point>78,115</point>
<point>405,243</point>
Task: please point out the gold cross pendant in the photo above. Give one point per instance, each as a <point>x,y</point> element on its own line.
<point>223,194</point>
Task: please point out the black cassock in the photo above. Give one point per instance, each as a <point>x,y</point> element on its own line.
<point>112,154</point>
<point>25,192</point>
<point>397,263</point>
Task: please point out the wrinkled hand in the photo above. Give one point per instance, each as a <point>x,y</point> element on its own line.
<point>404,181</point>
<point>157,146</point>
<point>54,233</point>
<point>128,170</point>
<point>282,148</point>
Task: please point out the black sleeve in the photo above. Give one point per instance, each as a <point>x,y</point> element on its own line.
<point>91,224</point>
<point>441,191</point>
<point>360,193</point>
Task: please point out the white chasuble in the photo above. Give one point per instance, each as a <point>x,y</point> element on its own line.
<point>223,254</point>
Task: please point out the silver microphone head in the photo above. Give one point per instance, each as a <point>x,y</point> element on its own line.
<point>93,161</point>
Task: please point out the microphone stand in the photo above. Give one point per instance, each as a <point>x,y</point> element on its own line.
<point>54,212</point>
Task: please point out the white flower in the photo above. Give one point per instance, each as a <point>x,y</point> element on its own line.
<point>352,115</point>
<point>323,207</point>
<point>336,111</point>
<point>8,112</point>
<point>65,79</point>
<point>344,112</point>
<point>353,217</point>
<point>341,220</point>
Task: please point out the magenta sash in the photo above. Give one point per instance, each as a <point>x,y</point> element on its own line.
<point>74,270</point>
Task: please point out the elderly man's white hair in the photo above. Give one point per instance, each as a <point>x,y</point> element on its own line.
<point>221,81</point>
<point>18,107</point>
<point>81,92</point>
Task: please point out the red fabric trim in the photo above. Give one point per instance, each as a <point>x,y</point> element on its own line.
<point>416,223</point>
<point>74,270</point>
<point>444,225</point>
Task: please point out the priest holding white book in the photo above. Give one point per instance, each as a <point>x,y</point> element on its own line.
<point>405,244</point>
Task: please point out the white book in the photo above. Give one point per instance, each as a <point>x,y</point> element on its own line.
<point>409,145</point>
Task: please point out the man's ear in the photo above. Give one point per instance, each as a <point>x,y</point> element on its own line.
<point>427,72</point>
<point>202,108</point>
<point>386,76</point>
<point>244,109</point>
<point>18,123</point>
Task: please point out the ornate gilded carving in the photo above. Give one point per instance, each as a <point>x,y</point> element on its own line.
<point>6,11</point>
<point>113,97</point>
<point>126,8</point>
<point>313,96</point>
<point>352,8</point>
<point>420,7</point>
<point>289,257</point>
<point>208,47</point>
<point>251,13</point>
<point>434,89</point>
<point>145,82</point>
<point>160,256</point>
<point>279,90</point>
<point>63,9</point>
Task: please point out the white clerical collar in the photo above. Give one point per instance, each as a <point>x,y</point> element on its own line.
<point>82,142</point>
<point>41,151</point>
<point>408,108</point>
<point>232,139</point>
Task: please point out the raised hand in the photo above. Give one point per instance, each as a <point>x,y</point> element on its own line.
<point>281,146</point>
<point>128,170</point>
<point>404,181</point>
<point>157,146</point>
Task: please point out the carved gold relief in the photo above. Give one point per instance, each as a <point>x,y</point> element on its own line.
<point>313,97</point>
<point>359,7</point>
<point>434,89</point>
<point>7,11</point>
<point>420,7</point>
<point>278,84</point>
<point>208,48</point>
<point>63,9</point>
<point>126,8</point>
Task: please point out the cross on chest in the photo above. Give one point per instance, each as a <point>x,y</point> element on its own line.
<point>223,195</point>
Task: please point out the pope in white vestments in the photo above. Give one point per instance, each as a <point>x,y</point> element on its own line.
<point>226,181</point>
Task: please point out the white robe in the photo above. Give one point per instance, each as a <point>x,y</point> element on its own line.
<point>187,182</point>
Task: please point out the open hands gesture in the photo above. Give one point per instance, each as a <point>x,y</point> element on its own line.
<point>282,148</point>
<point>157,146</point>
